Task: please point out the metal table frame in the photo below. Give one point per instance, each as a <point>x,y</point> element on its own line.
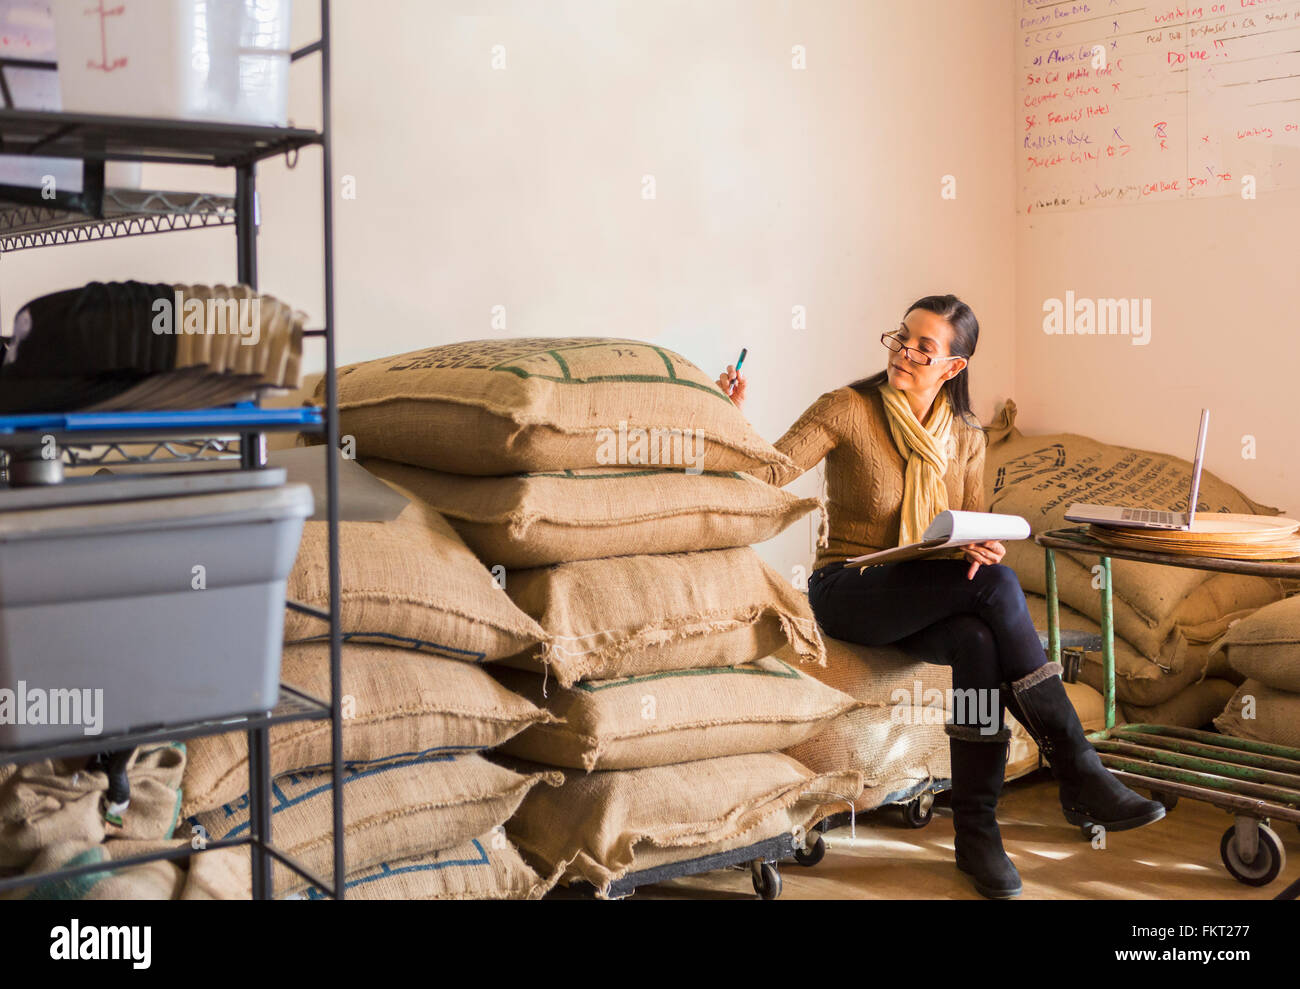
<point>1255,781</point>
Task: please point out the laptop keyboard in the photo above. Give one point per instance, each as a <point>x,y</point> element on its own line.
<point>1149,515</point>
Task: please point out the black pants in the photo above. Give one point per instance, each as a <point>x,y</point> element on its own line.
<point>980,627</point>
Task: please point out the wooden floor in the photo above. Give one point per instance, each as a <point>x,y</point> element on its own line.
<point>1175,858</point>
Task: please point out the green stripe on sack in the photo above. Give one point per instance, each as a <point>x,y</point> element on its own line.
<point>667,363</point>
<point>654,379</point>
<point>76,887</point>
<point>567,378</point>
<point>790,674</point>
<point>560,361</point>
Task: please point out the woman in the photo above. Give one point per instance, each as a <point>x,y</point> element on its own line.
<point>900,447</point>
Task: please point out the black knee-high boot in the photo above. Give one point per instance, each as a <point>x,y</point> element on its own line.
<point>978,765</point>
<point>1089,793</point>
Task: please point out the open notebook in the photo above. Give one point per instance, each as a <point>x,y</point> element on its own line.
<point>951,529</point>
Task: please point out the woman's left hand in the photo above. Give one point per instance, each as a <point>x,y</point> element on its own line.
<point>986,554</point>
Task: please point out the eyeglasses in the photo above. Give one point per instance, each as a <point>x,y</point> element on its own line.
<point>917,357</point>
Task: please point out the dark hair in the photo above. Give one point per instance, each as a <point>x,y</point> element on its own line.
<point>966,334</point>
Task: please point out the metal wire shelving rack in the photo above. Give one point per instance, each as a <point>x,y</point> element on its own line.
<point>98,214</point>
<point>125,213</point>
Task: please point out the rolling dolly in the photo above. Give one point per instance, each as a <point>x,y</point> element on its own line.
<point>762,858</point>
<point>1258,783</point>
<point>915,807</point>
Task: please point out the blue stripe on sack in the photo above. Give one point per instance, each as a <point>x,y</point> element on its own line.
<point>437,648</point>
<point>409,756</point>
<point>386,871</point>
<point>281,801</point>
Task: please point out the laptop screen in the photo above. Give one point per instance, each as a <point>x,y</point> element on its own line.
<point>1196,467</point>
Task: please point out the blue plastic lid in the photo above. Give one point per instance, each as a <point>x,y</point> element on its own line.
<point>245,415</point>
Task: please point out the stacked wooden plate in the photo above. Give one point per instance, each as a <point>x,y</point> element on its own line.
<point>1230,537</point>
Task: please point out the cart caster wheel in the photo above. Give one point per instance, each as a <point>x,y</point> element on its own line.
<point>1167,800</point>
<point>1269,858</point>
<point>767,880</point>
<point>919,812</point>
<point>810,856</point>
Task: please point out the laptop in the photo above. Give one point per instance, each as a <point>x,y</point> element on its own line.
<point>1145,518</point>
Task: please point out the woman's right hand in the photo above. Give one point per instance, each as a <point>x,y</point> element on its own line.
<point>737,395</point>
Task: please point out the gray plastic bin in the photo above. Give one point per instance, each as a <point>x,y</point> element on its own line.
<point>172,607</point>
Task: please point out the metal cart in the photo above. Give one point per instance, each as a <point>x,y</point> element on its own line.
<point>762,858</point>
<point>1256,782</point>
<point>915,808</point>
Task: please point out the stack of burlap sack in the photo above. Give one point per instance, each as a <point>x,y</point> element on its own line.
<point>423,808</point>
<point>1167,619</point>
<point>601,481</point>
<point>1264,649</point>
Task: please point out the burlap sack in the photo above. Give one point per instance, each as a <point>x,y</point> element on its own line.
<point>531,520</point>
<point>893,755</point>
<point>1138,680</point>
<point>798,818</point>
<point>1194,707</point>
<point>484,868</point>
<point>545,403</point>
<point>1276,715</point>
<point>1023,756</point>
<point>390,812</point>
<point>1265,645</point>
<point>410,582</point>
<point>398,704</point>
<point>159,880</point>
<point>1219,667</point>
<point>600,826</point>
<point>1206,610</point>
<point>214,874</point>
<point>887,740</point>
<point>57,802</point>
<point>1039,477</point>
<point>661,718</point>
<point>1209,636</point>
<point>218,874</point>
<point>630,615</point>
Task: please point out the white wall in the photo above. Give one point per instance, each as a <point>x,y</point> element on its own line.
<point>1223,332</point>
<point>776,187</point>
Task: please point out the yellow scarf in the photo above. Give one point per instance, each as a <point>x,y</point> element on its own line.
<point>925,449</point>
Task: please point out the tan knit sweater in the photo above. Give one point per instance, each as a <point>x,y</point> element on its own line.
<point>864,470</point>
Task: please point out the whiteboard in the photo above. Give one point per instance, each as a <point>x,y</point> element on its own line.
<point>1122,102</point>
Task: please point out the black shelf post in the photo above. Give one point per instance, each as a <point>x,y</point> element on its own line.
<point>259,813</point>
<point>332,445</point>
<point>252,446</point>
<point>246,223</point>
